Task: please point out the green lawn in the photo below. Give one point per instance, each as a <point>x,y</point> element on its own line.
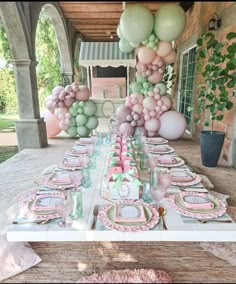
<point>7,152</point>
<point>8,120</point>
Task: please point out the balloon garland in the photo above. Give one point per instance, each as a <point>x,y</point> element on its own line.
<point>71,111</point>
<point>149,101</point>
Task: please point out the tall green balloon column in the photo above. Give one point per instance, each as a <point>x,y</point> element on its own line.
<point>151,35</point>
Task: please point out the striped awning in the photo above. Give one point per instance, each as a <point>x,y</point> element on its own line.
<point>104,54</point>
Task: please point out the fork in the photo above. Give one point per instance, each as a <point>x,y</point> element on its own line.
<point>95,213</point>
<point>211,220</point>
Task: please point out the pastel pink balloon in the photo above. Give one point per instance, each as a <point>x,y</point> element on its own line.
<point>52,124</point>
<point>139,67</point>
<point>68,88</point>
<point>157,90</point>
<point>173,125</point>
<point>61,104</point>
<point>151,134</point>
<point>160,103</point>
<point>63,126</point>
<point>61,97</point>
<point>164,108</point>
<point>54,105</point>
<point>147,117</point>
<point>66,121</point>
<point>75,88</point>
<point>72,94</point>
<point>160,63</point>
<point>138,108</point>
<point>57,90</point>
<point>155,67</point>
<point>156,59</point>
<point>157,97</point>
<point>133,123</point>
<point>49,105</point>
<point>146,55</point>
<point>149,103</point>
<point>141,121</point>
<point>144,75</point>
<point>161,70</point>
<point>166,101</point>
<point>126,128</point>
<point>84,93</point>
<point>68,102</point>
<point>62,110</point>
<point>138,96</point>
<point>144,68</point>
<point>136,117</point>
<point>122,112</point>
<point>68,115</point>
<point>129,117</point>
<point>149,72</point>
<point>48,98</point>
<point>156,77</point>
<point>60,116</point>
<point>151,94</point>
<point>152,125</point>
<point>158,108</point>
<point>164,48</point>
<point>54,98</point>
<point>128,104</point>
<point>152,113</point>
<point>134,101</point>
<point>170,58</point>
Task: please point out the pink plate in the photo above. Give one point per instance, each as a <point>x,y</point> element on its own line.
<point>49,183</point>
<point>195,178</point>
<point>176,203</point>
<point>61,165</point>
<point>156,141</point>
<point>161,149</point>
<point>106,217</point>
<point>178,162</point>
<point>32,209</point>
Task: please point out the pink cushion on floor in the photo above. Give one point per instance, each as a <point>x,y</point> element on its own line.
<point>128,276</point>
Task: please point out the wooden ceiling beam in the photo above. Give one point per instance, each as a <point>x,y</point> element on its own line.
<point>88,16</point>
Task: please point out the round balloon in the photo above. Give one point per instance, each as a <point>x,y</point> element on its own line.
<point>92,122</point>
<point>125,46</point>
<point>72,131</point>
<point>146,55</point>
<point>173,125</point>
<point>126,128</point>
<point>170,58</point>
<point>136,23</point>
<point>170,21</point>
<point>162,88</point>
<point>90,108</point>
<point>164,48</point>
<point>81,119</point>
<point>52,124</point>
<point>83,131</point>
<point>122,112</point>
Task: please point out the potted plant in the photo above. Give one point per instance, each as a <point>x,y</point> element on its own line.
<point>216,63</point>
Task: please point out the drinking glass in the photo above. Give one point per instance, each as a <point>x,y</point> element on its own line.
<point>63,209</point>
<point>86,179</point>
<point>76,177</point>
<point>77,210</point>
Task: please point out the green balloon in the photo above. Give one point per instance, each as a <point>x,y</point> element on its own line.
<point>72,121</point>
<point>134,44</point>
<point>72,131</point>
<point>90,108</point>
<point>125,46</point>
<point>162,87</point>
<point>136,23</point>
<point>81,103</point>
<point>73,111</point>
<point>83,131</point>
<point>80,110</point>
<point>118,31</point>
<point>92,122</point>
<point>144,42</point>
<point>152,37</point>
<point>152,44</point>
<point>136,87</point>
<point>146,85</point>
<point>170,21</point>
<point>81,119</point>
<point>75,104</point>
<point>140,79</point>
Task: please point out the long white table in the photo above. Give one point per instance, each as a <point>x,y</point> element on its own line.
<point>179,228</point>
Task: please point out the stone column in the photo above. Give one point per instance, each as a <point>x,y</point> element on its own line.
<point>30,128</point>
<point>67,78</point>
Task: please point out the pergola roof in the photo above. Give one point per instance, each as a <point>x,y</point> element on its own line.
<point>105,54</point>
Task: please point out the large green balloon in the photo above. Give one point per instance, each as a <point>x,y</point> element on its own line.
<point>125,46</point>
<point>75,104</point>
<point>90,108</point>
<point>140,79</point>
<point>83,131</point>
<point>136,23</point>
<point>170,21</point>
<point>92,122</point>
<point>118,31</point>
<point>72,131</point>
<point>81,119</point>
<point>136,86</point>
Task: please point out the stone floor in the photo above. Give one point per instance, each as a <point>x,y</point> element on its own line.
<point>64,262</point>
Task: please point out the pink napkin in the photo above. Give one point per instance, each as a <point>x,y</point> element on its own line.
<point>181,178</point>
<point>166,160</point>
<point>72,163</point>
<point>160,149</point>
<point>122,219</point>
<point>79,151</point>
<point>86,140</point>
<point>206,205</point>
<point>61,180</point>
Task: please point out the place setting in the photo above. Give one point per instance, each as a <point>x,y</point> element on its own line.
<point>156,141</point>
<point>169,161</point>
<point>60,181</point>
<point>73,163</point>
<point>161,149</point>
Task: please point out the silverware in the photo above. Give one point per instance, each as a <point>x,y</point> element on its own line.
<point>162,212</point>
<point>211,220</point>
<point>39,222</point>
<point>95,214</point>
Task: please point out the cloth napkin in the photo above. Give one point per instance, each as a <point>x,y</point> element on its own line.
<point>72,163</point>
<point>196,202</point>
<point>166,160</point>
<point>181,177</point>
<point>61,180</point>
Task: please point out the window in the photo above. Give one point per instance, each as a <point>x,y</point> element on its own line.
<point>186,84</point>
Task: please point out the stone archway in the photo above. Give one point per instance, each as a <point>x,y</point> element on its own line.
<point>30,128</point>
<point>80,72</point>
<point>63,41</point>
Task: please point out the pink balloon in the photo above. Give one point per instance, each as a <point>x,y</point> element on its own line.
<point>156,77</point>
<point>52,124</point>
<point>170,58</point>
<point>149,103</point>
<point>128,104</point>
<point>68,115</point>
<point>160,103</point>
<point>83,94</point>
<point>136,117</point>
<point>146,55</point>
<point>129,117</point>
<point>66,121</point>
<point>144,68</point>
<point>139,67</point>
<point>155,67</point>
<point>151,94</point>
<point>164,108</point>
<point>75,88</point>
<point>157,90</point>
<point>152,113</point>
<point>68,102</point>
<point>57,90</point>
<point>122,112</point>
<point>151,133</point>
<point>138,96</point>
<point>161,70</point>
<point>138,108</point>
<point>152,125</point>
<point>149,72</point>
<point>61,97</point>
<point>147,117</point>
<point>126,128</point>
<point>145,111</point>
<point>63,126</point>
<point>141,121</point>
<point>166,101</point>
<point>68,88</point>
<point>72,94</point>
<point>134,101</point>
<point>156,60</point>
<point>158,108</point>
<point>157,97</point>
<point>144,75</point>
<point>133,123</point>
<point>164,48</point>
<point>173,125</point>
<point>60,116</point>
<point>61,104</point>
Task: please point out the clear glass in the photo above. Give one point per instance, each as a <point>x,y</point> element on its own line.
<point>86,179</point>
<point>63,209</point>
<point>143,162</point>
<point>146,194</point>
<point>77,198</point>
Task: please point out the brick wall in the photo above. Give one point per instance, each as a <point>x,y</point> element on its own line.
<point>197,23</point>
